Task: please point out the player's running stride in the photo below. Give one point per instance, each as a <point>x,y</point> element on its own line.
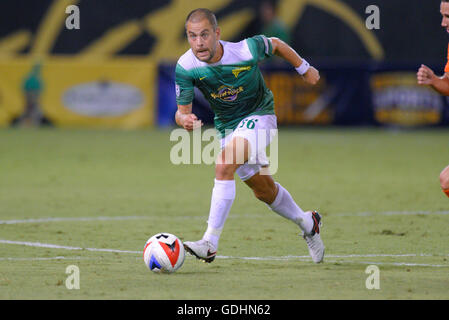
<point>228,75</point>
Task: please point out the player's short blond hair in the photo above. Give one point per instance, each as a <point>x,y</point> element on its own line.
<point>200,14</point>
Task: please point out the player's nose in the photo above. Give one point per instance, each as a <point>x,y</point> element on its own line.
<point>198,42</point>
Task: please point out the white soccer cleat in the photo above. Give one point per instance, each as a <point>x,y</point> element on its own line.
<point>201,249</point>
<point>313,240</point>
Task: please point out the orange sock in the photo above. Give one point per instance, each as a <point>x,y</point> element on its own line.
<point>446,191</point>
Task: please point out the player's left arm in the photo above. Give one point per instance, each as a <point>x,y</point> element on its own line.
<point>283,50</point>
<point>426,76</point>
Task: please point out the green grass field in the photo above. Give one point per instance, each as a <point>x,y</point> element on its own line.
<point>87,191</point>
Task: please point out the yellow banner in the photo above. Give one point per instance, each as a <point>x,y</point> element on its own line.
<point>297,102</point>
<point>399,100</point>
<point>114,93</point>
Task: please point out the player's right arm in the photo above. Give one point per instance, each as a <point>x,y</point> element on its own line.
<point>426,76</point>
<point>185,118</point>
<point>184,84</point>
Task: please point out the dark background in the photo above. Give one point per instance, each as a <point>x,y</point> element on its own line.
<point>409,30</point>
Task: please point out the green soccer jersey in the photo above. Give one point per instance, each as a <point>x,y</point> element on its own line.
<point>234,86</point>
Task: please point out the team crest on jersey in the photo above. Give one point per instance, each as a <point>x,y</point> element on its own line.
<point>237,71</point>
<point>227,93</point>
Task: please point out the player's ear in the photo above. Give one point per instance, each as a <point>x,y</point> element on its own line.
<point>218,33</point>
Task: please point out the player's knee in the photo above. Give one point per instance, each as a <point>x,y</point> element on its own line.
<point>444,178</point>
<point>225,171</point>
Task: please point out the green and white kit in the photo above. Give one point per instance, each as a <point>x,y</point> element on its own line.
<point>235,90</point>
<point>234,86</point>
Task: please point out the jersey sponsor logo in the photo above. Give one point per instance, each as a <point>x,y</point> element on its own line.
<point>227,93</point>
<point>237,71</point>
<point>178,90</point>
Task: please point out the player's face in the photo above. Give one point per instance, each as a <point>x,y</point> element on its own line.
<point>203,39</point>
<point>444,10</point>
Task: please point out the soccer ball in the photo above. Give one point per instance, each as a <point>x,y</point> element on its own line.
<point>164,252</point>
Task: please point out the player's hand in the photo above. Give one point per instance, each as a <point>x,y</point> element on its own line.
<point>311,76</point>
<point>425,75</point>
<point>190,122</point>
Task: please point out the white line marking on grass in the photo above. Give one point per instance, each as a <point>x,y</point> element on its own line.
<point>388,213</point>
<point>40,220</point>
<point>334,256</point>
<point>269,258</point>
<point>232,216</point>
<point>399,264</point>
<point>46,258</point>
<point>307,259</point>
<point>55,246</point>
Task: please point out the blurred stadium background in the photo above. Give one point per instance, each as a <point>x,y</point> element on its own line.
<point>116,70</point>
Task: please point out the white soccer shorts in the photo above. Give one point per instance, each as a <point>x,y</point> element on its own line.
<point>259,131</point>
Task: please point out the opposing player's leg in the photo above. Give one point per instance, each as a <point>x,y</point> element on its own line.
<point>280,201</point>
<point>230,158</point>
<point>444,180</point>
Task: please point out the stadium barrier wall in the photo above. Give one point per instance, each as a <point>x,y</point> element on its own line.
<point>347,94</point>
<point>108,93</point>
<point>96,83</point>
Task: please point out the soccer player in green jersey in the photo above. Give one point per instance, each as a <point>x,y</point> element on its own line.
<point>228,75</point>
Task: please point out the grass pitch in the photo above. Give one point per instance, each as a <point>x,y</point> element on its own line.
<point>67,197</point>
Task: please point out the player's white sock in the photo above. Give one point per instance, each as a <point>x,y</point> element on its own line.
<point>285,206</point>
<point>223,196</point>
